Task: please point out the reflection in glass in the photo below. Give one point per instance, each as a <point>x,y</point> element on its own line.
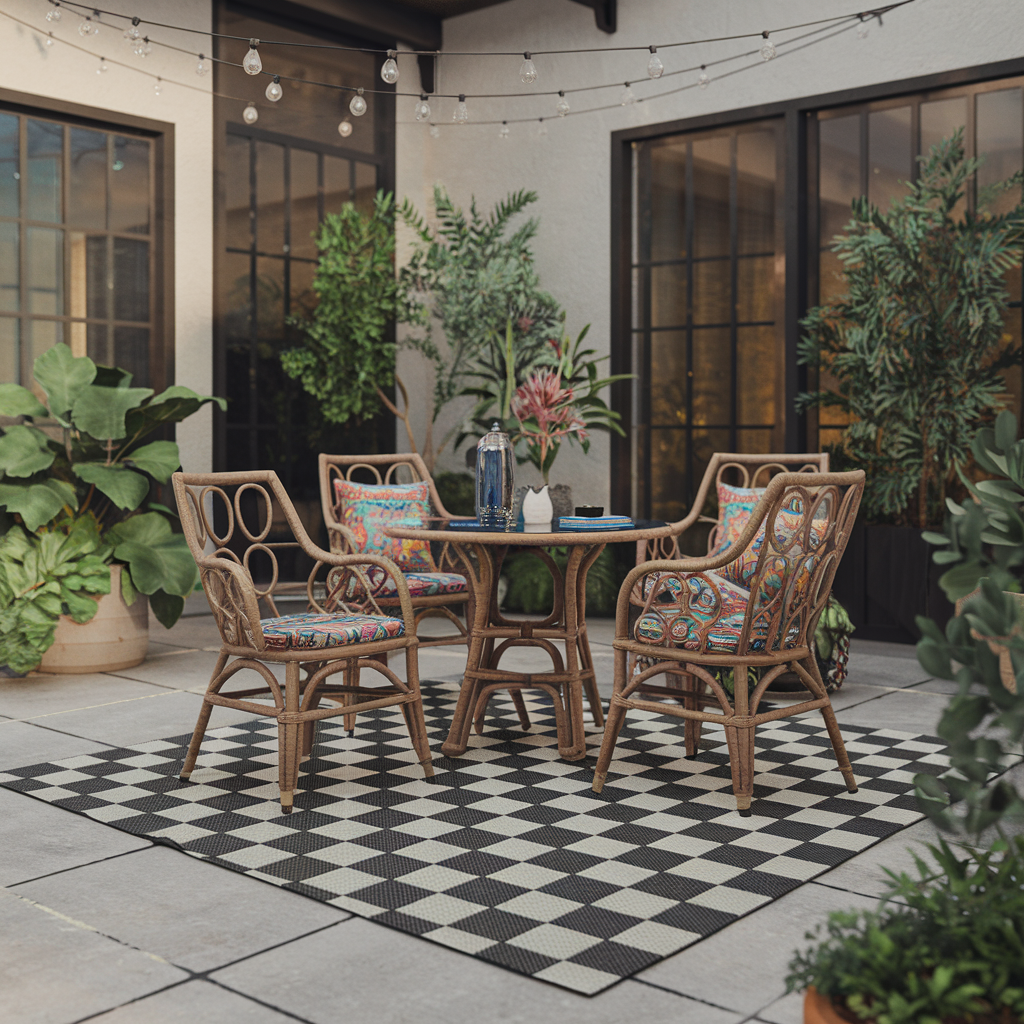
<point>366,187</point>
<point>668,295</point>
<point>668,474</point>
<point>131,279</point>
<point>97,343</point>
<point>755,288</point>
<point>236,326</point>
<point>668,383</point>
<point>838,172</point>
<point>712,291</point>
<point>269,197</point>
<point>87,185</point>
<point>303,299</point>
<point>1000,144</point>
<point>337,183</point>
<point>10,272</point>
<point>712,377</point>
<point>10,357</point>
<point>890,154</point>
<point>236,193</point>
<point>270,298</point>
<point>940,119</point>
<point>45,149</point>
<point>45,270</point>
<point>131,352</point>
<point>9,168</point>
<point>304,202</point>
<point>711,161</point>
<point>130,185</point>
<point>668,200</point>
<point>757,368</point>
<point>43,335</point>
<point>755,192</point>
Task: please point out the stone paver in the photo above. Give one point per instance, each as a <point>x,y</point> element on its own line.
<point>195,1002</point>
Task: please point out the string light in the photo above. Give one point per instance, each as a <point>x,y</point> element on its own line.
<point>203,67</point>
<point>503,130</point>
<point>435,132</point>
<point>562,107</point>
<point>461,115</point>
<point>131,33</point>
<point>158,87</point>
<point>251,63</point>
<point>542,128</point>
<point>345,128</point>
<point>274,91</point>
<point>767,47</point>
<point>54,13</point>
<point>862,29</point>
<point>142,47</point>
<point>49,39</point>
<point>86,27</point>
<point>527,70</point>
<point>389,69</point>
<point>627,96</point>
<point>422,110</point>
<point>250,115</point>
<point>358,105</point>
<point>655,68</point>
<point>104,66</point>
<point>703,79</point>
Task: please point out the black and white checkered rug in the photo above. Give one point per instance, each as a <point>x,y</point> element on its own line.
<point>506,854</point>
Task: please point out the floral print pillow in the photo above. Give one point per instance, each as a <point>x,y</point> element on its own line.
<point>367,509</point>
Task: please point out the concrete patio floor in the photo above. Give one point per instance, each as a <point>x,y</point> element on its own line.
<point>97,925</point>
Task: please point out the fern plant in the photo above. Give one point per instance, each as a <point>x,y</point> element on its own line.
<point>916,346</point>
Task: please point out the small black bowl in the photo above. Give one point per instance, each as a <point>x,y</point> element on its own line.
<point>590,511</point>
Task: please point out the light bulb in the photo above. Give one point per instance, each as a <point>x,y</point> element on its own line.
<point>142,47</point>
<point>435,132</point>
<point>54,13</point>
<point>158,87</point>
<point>654,66</point>
<point>203,67</point>
<point>528,70</point>
<point>562,106</point>
<point>131,33</point>
<point>357,104</point>
<point>389,69</point>
<point>422,111</point>
<point>104,66</point>
<point>85,27</point>
<point>49,39</point>
<point>345,128</point>
<point>542,128</point>
<point>703,79</point>
<point>767,47</point>
<point>503,130</point>
<point>250,115</point>
<point>627,96</point>
<point>274,91</point>
<point>251,63</point>
<point>461,115</point>
<point>862,30</point>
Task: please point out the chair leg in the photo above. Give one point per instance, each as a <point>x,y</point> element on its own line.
<point>834,735</point>
<point>691,687</point>
<point>741,761</point>
<point>200,730</point>
<point>413,714</point>
<point>289,741</point>
<point>520,706</point>
<point>351,679</point>
<point>613,724</point>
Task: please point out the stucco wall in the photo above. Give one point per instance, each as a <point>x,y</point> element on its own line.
<point>570,167</point>
<point>66,74</point>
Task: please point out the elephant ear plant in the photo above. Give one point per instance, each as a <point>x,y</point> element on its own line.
<point>77,480</point>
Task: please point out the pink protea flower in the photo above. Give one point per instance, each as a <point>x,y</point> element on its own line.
<point>547,415</point>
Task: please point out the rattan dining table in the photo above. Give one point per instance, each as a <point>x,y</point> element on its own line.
<point>478,553</point>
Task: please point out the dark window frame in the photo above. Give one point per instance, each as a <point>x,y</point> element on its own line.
<point>798,113</point>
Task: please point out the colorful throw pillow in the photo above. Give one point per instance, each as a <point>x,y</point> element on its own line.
<point>735,505</point>
<point>367,509</point>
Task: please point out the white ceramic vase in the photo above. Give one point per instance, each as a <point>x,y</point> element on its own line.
<point>537,507</point>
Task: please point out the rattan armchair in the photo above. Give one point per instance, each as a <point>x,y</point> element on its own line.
<point>434,591</point>
<point>227,520</point>
<point>693,620</point>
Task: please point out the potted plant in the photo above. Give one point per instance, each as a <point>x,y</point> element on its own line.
<point>79,516</point>
<point>914,352</point>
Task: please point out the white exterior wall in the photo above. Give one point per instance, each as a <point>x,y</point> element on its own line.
<point>571,167</point>
<point>63,73</point>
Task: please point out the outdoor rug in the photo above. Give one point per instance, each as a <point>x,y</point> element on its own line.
<point>506,854</point>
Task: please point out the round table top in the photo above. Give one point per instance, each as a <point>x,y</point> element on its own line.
<point>644,529</point>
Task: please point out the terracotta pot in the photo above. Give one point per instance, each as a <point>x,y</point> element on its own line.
<point>116,637</point>
<point>818,1009</point>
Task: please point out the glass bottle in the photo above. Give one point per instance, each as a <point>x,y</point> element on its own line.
<point>495,479</point>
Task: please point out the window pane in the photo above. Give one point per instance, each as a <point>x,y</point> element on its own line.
<point>755,288</point>
<point>705,444</point>
<point>831,279</point>
<point>9,356</point>
<point>130,186</point>
<point>712,292</point>
<point>236,193</point>
<point>366,187</point>
<point>940,119</point>
<point>337,183</point>
<point>304,203</point>
<point>87,188</point>
<point>131,279</point>
<point>668,295</point>
<point>890,157</point>
<point>668,378</point>
<point>668,200</point>
<point>755,442</point>
<point>97,343</point>
<point>755,191</point>
<point>838,172</point>
<point>303,299</point>
<point>88,277</point>
<point>131,353</point>
<point>668,474</point>
<point>269,197</point>
<point>236,330</point>
<point>45,146</point>
<point>1012,374</point>
<point>270,298</point>
<point>45,270</point>
<point>10,268</point>
<point>757,371</point>
<point>43,335</point>
<point>9,166</point>
<point>1000,142</point>
<point>711,161</point>
<point>712,377</point>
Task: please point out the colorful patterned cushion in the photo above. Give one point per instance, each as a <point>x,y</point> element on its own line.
<point>308,632</point>
<point>368,508</point>
<point>681,631</point>
<point>428,584</point>
<point>735,505</point>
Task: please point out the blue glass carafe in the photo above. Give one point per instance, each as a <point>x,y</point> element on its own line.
<point>495,479</point>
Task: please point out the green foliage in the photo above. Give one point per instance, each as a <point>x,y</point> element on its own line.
<point>531,589</point>
<point>457,492</point>
<point>477,280</point>
<point>916,345</point>
<point>347,356</point>
<point>94,467</point>
<point>953,952</point>
<point>45,575</point>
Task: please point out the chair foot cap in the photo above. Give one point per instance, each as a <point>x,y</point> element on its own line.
<point>351,733</point>
<point>744,812</point>
<point>598,783</point>
<point>185,777</point>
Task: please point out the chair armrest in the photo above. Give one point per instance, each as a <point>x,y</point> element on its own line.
<point>233,600</point>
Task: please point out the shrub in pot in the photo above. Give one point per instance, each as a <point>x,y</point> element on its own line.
<point>78,495</point>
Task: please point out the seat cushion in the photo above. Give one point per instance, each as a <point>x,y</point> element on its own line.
<point>428,584</point>
<point>368,509</point>
<point>723,637</point>
<point>309,632</point>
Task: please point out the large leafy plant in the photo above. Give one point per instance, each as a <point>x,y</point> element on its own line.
<point>916,346</point>
<point>77,482</point>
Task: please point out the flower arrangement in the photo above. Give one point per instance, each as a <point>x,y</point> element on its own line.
<point>547,416</point>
